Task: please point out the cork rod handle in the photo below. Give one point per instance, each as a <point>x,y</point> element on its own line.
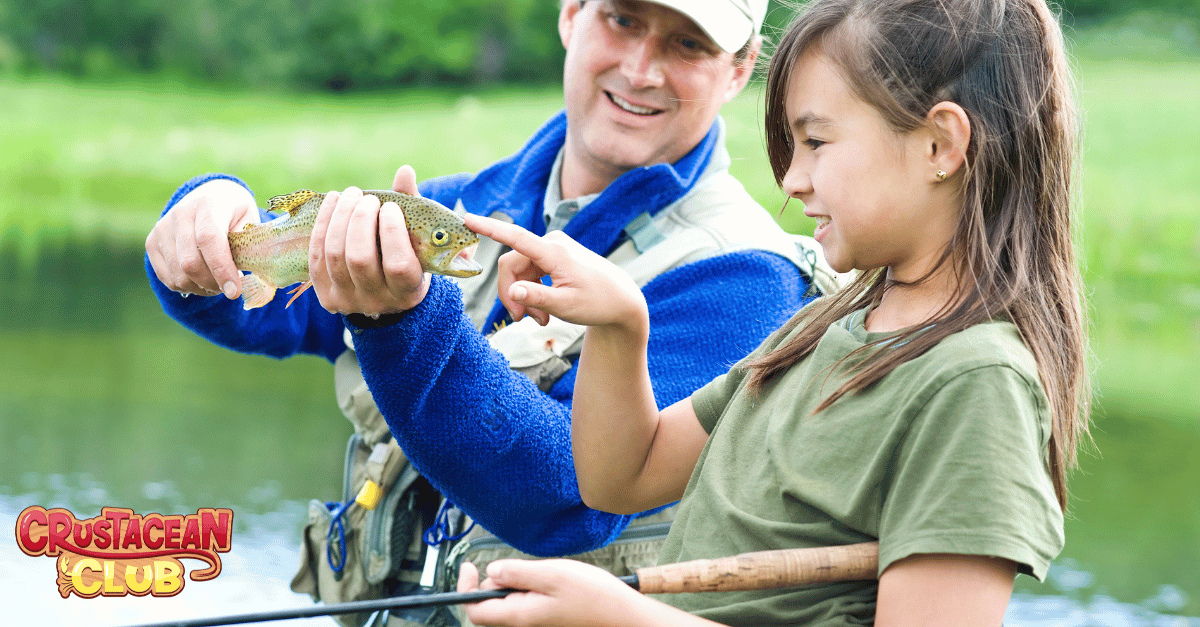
<point>764,569</point>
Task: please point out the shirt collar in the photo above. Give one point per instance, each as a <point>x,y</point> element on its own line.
<point>557,211</point>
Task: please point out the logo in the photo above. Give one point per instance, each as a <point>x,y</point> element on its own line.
<point>119,552</point>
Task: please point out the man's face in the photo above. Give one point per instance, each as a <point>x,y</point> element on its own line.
<point>642,84</point>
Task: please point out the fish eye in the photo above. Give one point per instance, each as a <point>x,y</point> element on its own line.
<point>440,237</point>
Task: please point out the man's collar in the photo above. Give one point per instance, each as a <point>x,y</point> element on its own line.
<point>517,185</point>
<point>647,189</point>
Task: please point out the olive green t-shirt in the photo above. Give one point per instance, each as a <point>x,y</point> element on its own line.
<point>946,454</point>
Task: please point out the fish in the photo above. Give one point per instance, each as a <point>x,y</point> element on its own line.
<point>275,253</point>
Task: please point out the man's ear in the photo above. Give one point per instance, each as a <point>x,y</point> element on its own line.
<point>566,20</point>
<point>950,134</point>
<point>744,69</point>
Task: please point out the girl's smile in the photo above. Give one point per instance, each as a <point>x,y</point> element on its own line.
<point>822,223</point>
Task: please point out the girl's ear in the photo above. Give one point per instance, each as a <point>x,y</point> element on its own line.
<point>951,133</point>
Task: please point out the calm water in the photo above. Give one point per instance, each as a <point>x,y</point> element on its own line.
<point>106,402</point>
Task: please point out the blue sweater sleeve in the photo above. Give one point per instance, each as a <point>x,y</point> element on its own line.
<point>272,330</point>
<point>498,447</point>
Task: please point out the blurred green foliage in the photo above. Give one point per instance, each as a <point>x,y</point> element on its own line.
<point>1087,9</point>
<point>332,44</point>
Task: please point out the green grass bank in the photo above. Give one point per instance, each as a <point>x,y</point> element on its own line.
<point>100,161</point>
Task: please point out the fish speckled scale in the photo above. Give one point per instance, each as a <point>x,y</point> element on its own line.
<point>276,253</point>
<point>439,235</point>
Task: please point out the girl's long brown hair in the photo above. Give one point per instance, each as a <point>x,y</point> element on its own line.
<point>1003,61</point>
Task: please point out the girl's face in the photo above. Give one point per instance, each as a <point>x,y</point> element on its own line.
<point>872,190</point>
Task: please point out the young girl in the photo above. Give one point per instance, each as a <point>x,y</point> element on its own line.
<point>934,404</point>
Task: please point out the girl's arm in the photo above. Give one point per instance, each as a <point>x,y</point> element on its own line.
<point>919,591</point>
<point>628,456</point>
<point>932,590</point>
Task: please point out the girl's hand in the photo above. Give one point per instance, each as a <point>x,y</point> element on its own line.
<point>560,593</point>
<point>587,288</point>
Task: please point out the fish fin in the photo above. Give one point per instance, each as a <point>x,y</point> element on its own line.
<point>290,203</point>
<point>297,291</point>
<point>255,292</point>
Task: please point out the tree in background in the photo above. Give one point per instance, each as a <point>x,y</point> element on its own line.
<point>327,44</point>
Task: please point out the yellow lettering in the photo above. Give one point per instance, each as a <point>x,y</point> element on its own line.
<point>111,586</point>
<point>131,579</point>
<point>166,578</point>
<point>77,577</point>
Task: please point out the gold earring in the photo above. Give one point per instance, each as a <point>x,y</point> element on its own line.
<point>941,174</point>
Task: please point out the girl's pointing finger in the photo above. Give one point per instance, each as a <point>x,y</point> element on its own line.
<point>512,236</point>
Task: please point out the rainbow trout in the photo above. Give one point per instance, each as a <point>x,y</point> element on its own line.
<point>276,253</point>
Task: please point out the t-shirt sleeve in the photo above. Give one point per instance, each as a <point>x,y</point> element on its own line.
<point>971,475</point>
<point>709,401</point>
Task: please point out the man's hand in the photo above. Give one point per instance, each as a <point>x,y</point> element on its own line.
<point>360,258</point>
<point>189,246</point>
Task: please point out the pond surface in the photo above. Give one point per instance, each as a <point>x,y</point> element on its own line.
<point>107,402</point>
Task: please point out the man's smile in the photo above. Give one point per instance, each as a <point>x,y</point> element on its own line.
<point>625,105</point>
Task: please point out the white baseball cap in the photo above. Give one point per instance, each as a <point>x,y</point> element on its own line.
<point>729,23</point>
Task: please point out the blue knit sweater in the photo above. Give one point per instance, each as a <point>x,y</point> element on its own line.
<point>485,436</point>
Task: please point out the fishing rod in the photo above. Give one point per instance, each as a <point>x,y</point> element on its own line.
<point>761,570</point>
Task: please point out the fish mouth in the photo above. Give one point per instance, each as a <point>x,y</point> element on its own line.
<point>459,263</point>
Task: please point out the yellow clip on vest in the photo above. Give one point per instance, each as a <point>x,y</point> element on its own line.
<point>369,495</point>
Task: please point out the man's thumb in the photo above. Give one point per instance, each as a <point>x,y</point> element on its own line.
<point>405,181</point>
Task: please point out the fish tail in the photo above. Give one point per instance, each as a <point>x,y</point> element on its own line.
<point>255,292</point>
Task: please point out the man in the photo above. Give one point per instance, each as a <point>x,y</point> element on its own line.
<point>635,168</point>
